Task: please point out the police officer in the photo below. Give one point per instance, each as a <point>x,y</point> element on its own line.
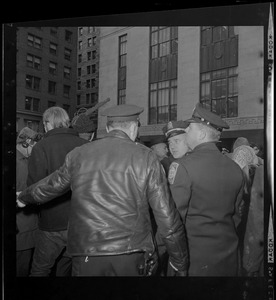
<point>207,188</point>
<point>114,181</point>
<point>175,134</point>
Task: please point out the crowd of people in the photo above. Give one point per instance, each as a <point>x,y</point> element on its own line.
<point>116,207</point>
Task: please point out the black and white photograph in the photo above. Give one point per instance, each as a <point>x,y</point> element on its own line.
<point>138,154</point>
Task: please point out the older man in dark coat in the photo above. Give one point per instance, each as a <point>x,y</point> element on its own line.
<point>207,188</point>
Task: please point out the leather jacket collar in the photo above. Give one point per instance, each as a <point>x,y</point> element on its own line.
<point>118,134</point>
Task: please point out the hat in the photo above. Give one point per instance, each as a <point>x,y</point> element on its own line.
<point>123,112</point>
<point>245,156</point>
<point>202,115</point>
<point>174,128</point>
<point>24,134</point>
<point>82,123</point>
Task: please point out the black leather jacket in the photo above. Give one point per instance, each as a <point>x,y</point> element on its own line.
<point>113,182</point>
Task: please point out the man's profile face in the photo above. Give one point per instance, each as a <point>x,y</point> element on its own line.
<point>178,145</point>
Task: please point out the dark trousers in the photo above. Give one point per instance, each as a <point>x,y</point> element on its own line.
<point>114,265</point>
<point>49,246</point>
<point>23,262</point>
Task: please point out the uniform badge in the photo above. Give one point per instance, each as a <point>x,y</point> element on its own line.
<point>172,172</point>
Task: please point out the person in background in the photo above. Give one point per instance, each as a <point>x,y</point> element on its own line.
<point>253,254</point>
<point>26,220</point>
<point>207,188</point>
<point>114,180</point>
<point>247,160</point>
<point>83,122</point>
<point>47,156</point>
<point>84,125</point>
<point>258,152</point>
<point>175,134</point>
<point>161,150</point>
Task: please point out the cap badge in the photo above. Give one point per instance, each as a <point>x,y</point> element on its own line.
<point>170,125</point>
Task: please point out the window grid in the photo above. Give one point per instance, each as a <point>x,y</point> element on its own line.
<point>122,69</point>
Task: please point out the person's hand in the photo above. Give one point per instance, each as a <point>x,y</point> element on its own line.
<point>18,202</point>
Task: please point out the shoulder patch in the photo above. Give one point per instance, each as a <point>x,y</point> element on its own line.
<point>172,172</point>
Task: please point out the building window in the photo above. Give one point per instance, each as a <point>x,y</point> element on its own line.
<point>53,31</point>
<point>53,48</point>
<point>79,72</point>
<point>93,69</point>
<point>51,103</point>
<point>87,98</point>
<point>52,68</point>
<point>68,36</point>
<point>163,74</point>
<point>32,124</point>
<point>89,55</point>
<point>163,41</point>
<point>94,40</point>
<point>122,69</point>
<point>218,70</point>
<point>33,82</point>
<point>89,42</point>
<point>78,99</point>
<point>163,101</point>
<point>67,72</point>
<point>34,41</point>
<point>33,61</point>
<point>93,82</point>
<point>32,104</point>
<point>67,54</point>
<point>66,91</point>
<point>88,70</point>
<point>94,54</point>
<point>80,31</point>
<point>79,58</point>
<point>78,85</point>
<point>66,107</point>
<point>52,87</point>
<point>94,98</point>
<point>88,86</point>
<point>80,45</point>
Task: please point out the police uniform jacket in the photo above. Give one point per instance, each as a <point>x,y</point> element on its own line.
<point>113,182</point>
<point>207,188</point>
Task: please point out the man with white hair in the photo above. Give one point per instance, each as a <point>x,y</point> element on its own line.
<point>47,156</point>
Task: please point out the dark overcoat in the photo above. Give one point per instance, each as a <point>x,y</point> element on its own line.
<point>207,188</point>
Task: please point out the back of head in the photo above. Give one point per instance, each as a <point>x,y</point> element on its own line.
<point>244,156</point>
<point>160,149</point>
<point>240,141</point>
<point>57,117</point>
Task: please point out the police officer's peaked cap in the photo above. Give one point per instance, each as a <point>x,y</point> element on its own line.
<point>174,128</point>
<point>202,115</point>
<point>123,112</point>
<point>26,133</point>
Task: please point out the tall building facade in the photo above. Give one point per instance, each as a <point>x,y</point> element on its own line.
<point>167,70</point>
<point>88,69</point>
<point>46,73</point>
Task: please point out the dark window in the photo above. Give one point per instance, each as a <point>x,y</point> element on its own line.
<point>78,85</point>
<point>67,72</point>
<point>78,99</point>
<point>66,91</point>
<point>89,53</point>
<point>94,54</point>
<point>53,48</point>
<point>68,36</point>
<point>79,72</point>
<point>34,41</point>
<point>67,54</point>
<point>52,68</point>
<point>218,70</point>
<point>122,69</point>
<point>33,82</point>
<point>52,87</point>
<point>53,31</point>
<point>32,104</point>
<point>79,58</point>
<point>33,61</point>
<point>163,74</point>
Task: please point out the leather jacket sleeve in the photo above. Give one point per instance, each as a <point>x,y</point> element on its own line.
<point>48,188</point>
<point>166,215</point>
